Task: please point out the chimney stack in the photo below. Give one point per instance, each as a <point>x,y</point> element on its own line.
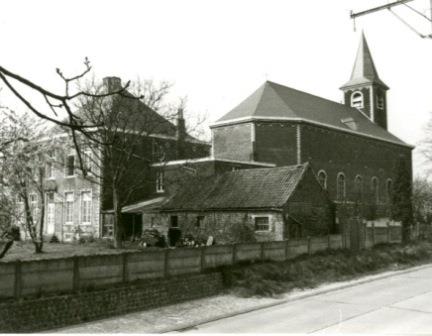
<point>180,133</point>
<point>112,83</point>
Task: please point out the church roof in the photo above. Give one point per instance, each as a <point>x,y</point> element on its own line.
<point>272,101</point>
<point>364,71</point>
<point>257,188</point>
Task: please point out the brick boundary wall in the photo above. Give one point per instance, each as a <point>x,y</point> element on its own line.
<point>59,311</point>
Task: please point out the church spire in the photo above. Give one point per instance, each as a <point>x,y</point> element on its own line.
<point>364,70</point>
<point>365,90</point>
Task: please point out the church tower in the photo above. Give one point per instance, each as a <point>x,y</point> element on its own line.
<point>365,90</point>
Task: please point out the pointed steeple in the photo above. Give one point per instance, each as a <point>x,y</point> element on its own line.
<point>365,90</point>
<point>364,71</point>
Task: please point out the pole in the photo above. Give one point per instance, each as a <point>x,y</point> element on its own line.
<point>379,8</point>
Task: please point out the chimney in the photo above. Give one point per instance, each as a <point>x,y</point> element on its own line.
<point>112,83</point>
<point>180,133</point>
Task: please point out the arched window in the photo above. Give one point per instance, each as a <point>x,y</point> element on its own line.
<point>389,190</point>
<point>358,188</point>
<point>375,189</point>
<point>357,99</point>
<point>322,178</point>
<point>340,187</point>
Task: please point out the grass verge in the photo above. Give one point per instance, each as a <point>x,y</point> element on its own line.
<point>269,278</point>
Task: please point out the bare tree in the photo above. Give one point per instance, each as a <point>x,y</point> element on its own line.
<point>122,147</point>
<point>22,171</point>
<point>426,143</point>
<point>57,105</point>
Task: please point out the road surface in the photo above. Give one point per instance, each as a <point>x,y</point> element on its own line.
<point>401,304</point>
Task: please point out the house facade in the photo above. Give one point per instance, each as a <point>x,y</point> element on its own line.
<point>78,206</point>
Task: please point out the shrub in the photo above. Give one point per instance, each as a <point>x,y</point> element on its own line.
<point>54,239</point>
<point>273,278</point>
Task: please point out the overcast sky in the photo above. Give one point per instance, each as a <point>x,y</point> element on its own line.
<point>218,52</point>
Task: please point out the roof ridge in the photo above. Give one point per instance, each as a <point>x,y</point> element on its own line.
<point>314,95</point>
<point>263,86</point>
<point>270,83</point>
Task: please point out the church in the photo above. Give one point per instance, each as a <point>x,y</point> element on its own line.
<point>346,145</point>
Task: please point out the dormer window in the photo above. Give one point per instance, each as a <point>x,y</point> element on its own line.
<point>351,123</point>
<point>357,99</point>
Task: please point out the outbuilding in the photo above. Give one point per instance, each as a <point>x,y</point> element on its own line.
<point>270,203</point>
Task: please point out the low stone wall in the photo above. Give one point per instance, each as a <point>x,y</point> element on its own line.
<point>57,311</point>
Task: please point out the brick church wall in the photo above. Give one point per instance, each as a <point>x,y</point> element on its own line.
<point>276,143</point>
<point>233,142</point>
<point>353,155</point>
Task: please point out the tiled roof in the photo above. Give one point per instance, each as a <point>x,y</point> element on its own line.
<point>259,188</point>
<point>136,116</point>
<point>273,101</point>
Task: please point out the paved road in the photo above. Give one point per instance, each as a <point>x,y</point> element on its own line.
<point>401,304</point>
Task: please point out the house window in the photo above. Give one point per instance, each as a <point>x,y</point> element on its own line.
<point>322,178</point>
<point>262,224</point>
<point>70,165</point>
<point>33,201</point>
<point>160,182</point>
<point>174,221</point>
<point>199,222</point>
<point>87,161</point>
<point>49,172</point>
<point>50,213</point>
<point>358,188</point>
<point>157,151</point>
<point>380,102</point>
<point>86,205</point>
<point>375,189</point>
<point>69,207</point>
<point>389,189</point>
<point>340,187</point>
<point>357,99</point>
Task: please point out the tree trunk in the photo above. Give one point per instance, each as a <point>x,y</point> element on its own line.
<point>118,239</point>
<point>39,238</point>
<point>38,246</point>
<point>6,248</point>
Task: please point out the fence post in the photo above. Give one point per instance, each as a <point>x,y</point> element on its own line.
<point>309,245</point>
<point>344,235</point>
<point>234,254</point>
<point>286,249</point>
<point>125,267</point>
<point>329,241</point>
<point>262,251</point>
<point>365,233</point>
<point>76,274</point>
<point>203,254</point>
<point>388,233</point>
<point>18,280</point>
<point>166,262</point>
<point>373,234</point>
